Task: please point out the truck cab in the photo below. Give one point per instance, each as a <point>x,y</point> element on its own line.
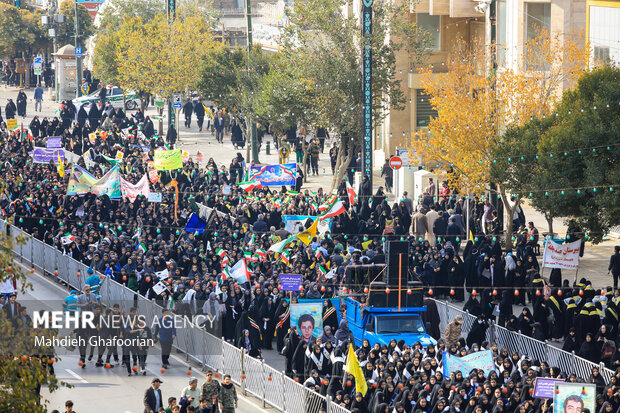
<point>382,324</point>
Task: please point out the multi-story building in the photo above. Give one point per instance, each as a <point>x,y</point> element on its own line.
<point>603,29</point>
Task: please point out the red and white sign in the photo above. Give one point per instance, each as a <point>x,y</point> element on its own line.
<point>396,163</point>
<point>565,256</point>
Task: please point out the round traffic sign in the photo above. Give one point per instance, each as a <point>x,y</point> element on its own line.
<point>395,162</point>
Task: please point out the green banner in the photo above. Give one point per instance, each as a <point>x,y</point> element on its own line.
<point>168,160</point>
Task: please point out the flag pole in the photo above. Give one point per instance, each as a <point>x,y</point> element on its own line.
<point>400,273</point>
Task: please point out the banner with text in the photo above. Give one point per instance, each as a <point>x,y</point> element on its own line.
<point>482,360</point>
<point>274,175</point>
<point>565,256</point>
<point>44,155</point>
<point>168,160</point>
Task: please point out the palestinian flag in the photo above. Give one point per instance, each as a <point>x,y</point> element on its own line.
<point>141,247</point>
<point>240,272</point>
<point>335,209</point>
<point>221,252</point>
<point>351,193</point>
<point>248,186</point>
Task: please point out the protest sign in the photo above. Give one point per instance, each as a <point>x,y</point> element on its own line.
<point>132,191</point>
<point>544,387</point>
<point>308,319</point>
<point>168,160</point>
<point>290,282</point>
<point>274,175</point>
<point>574,397</point>
<point>44,155</point>
<point>565,256</point>
<point>482,360</point>
<point>53,142</point>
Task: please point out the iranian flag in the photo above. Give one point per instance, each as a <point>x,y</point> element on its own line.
<point>262,254</point>
<point>334,209</point>
<point>249,256</point>
<point>225,260</point>
<point>221,252</point>
<point>141,247</point>
<point>351,193</point>
<point>279,247</point>
<point>67,239</point>
<point>225,274</point>
<point>285,258</point>
<point>137,234</point>
<point>248,186</point>
<point>240,272</point>
<point>322,270</point>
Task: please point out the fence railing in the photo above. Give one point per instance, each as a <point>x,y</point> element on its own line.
<point>522,344</point>
<point>254,376</point>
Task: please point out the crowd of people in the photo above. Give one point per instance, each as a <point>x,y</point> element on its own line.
<point>131,242</point>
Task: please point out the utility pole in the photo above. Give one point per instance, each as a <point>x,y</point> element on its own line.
<point>78,60</point>
<point>367,128</point>
<point>252,125</point>
<point>171,9</point>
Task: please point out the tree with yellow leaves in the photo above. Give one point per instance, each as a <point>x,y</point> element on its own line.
<point>475,107</point>
<point>156,56</point>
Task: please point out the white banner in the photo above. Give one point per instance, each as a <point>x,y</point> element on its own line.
<point>565,256</point>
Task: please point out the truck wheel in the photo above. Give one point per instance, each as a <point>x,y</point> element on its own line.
<point>131,105</point>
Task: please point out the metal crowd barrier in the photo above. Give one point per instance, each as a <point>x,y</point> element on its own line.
<point>253,375</point>
<point>522,344</point>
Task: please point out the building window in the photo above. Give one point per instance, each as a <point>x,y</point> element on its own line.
<point>424,111</point>
<point>501,32</point>
<point>432,24</point>
<point>538,17</point>
<point>601,54</point>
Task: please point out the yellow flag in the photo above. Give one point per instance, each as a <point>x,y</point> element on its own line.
<point>308,234</point>
<point>61,166</point>
<point>471,236</point>
<point>352,366</point>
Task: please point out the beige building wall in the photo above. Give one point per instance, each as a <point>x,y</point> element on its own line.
<point>565,17</point>
<point>457,18</point>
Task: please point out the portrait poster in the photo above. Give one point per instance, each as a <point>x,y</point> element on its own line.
<point>308,318</point>
<point>574,398</point>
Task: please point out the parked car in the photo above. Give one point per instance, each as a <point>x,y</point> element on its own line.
<point>114,96</point>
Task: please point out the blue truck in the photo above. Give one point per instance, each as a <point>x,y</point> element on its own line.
<point>382,324</point>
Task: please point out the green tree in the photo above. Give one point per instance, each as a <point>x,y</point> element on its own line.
<point>66,31</point>
<point>21,32</point>
<point>24,368</point>
<point>325,43</point>
<point>578,183</point>
<point>116,11</point>
<point>232,80</point>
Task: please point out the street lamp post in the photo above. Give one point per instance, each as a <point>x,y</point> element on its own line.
<point>78,60</point>
<point>367,91</point>
<point>52,19</point>
<point>252,125</point>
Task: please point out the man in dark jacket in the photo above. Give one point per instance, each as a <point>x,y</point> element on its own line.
<point>165,332</point>
<point>199,110</point>
<point>153,400</point>
<point>614,265</point>
<point>188,109</point>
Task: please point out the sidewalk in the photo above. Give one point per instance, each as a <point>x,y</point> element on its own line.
<point>593,264</point>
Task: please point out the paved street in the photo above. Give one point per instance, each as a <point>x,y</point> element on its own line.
<point>97,386</point>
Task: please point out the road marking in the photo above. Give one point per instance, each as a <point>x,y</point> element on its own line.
<point>74,374</point>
